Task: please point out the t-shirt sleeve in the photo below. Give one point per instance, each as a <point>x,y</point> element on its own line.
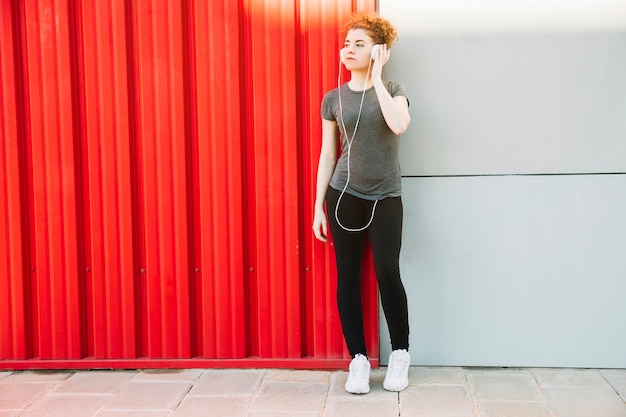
<point>396,89</point>
<point>327,107</point>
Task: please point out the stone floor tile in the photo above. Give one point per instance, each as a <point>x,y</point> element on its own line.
<point>287,375</point>
<point>617,379</point>
<point>215,406</point>
<point>339,378</point>
<point>503,385</point>
<point>148,395</point>
<point>585,401</point>
<point>614,372</point>
<point>20,395</point>
<point>4,374</point>
<point>361,407</point>
<point>436,376</point>
<point>37,376</point>
<point>228,382</point>
<point>337,383</point>
<point>436,401</point>
<point>514,409</point>
<point>66,405</point>
<point>568,377</point>
<point>94,382</point>
<point>166,375</point>
<point>132,413</point>
<point>290,397</point>
<point>10,413</point>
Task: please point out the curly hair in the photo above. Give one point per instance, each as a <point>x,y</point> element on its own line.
<point>380,29</point>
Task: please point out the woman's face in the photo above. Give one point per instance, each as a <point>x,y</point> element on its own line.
<point>357,49</point>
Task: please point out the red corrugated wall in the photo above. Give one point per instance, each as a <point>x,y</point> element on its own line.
<point>157,172</point>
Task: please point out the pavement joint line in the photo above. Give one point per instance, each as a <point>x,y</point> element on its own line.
<point>399,405</point>
<point>543,394</point>
<point>182,398</point>
<point>329,386</point>
<point>257,393</point>
<point>613,388</point>
<point>471,395</point>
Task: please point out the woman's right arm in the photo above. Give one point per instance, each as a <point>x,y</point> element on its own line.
<point>325,169</point>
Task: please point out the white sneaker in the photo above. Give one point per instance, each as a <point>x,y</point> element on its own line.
<point>397,377</point>
<point>359,377</point>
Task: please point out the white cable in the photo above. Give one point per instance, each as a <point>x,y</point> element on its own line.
<point>349,143</point>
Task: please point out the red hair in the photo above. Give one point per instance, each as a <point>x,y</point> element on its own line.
<point>380,29</point>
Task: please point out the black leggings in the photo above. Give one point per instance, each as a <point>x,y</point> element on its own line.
<point>385,236</point>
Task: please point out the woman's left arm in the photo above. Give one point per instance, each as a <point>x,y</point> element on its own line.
<point>395,109</point>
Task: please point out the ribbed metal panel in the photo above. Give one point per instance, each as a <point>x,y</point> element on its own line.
<point>157,165</point>
<point>108,180</point>
<point>13,270</point>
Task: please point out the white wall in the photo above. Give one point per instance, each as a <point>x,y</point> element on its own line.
<point>514,181</point>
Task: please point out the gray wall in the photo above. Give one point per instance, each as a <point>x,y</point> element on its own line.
<point>514,184</point>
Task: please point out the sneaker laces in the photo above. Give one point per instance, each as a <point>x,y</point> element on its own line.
<point>359,367</point>
<point>398,364</point>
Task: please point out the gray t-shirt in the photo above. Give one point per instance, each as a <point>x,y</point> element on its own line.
<point>374,161</point>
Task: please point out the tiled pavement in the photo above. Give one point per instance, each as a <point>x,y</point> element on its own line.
<point>433,392</point>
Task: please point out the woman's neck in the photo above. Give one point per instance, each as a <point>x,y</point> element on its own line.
<point>360,81</point>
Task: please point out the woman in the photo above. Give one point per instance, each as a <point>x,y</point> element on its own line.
<point>362,192</point>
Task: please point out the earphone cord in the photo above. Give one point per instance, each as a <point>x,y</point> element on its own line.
<point>349,143</point>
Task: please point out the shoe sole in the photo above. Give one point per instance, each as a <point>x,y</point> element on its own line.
<point>392,389</point>
<point>360,392</point>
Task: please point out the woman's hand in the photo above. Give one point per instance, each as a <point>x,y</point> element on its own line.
<point>320,227</point>
<point>381,56</point>
<point>395,109</point>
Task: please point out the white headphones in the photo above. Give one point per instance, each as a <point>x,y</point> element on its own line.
<point>349,140</point>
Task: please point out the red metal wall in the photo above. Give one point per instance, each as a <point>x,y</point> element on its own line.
<point>157,171</point>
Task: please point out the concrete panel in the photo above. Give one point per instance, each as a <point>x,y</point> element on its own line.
<point>513,103</point>
<point>516,87</point>
<point>515,270</point>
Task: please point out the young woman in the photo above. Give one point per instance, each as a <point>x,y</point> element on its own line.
<point>361,190</point>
